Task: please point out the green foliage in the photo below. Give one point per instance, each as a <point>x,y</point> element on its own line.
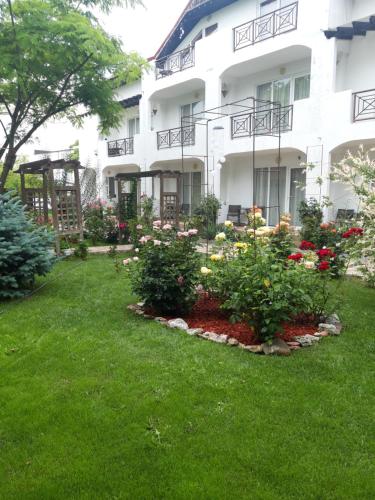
<point>25,249</point>
<point>205,216</point>
<point>100,223</point>
<point>258,288</point>
<point>358,172</point>
<point>81,251</point>
<point>55,60</point>
<point>165,276</point>
<point>311,216</point>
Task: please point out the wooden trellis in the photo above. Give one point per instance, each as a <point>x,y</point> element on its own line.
<point>169,200</point>
<point>57,197</point>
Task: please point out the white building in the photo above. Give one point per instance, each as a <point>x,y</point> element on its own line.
<point>315,58</point>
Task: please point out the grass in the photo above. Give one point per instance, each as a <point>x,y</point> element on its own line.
<point>99,404</point>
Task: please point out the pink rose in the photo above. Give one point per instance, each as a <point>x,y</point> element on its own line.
<point>126,262</point>
<point>166,227</point>
<point>193,232</point>
<point>157,223</point>
<point>139,227</point>
<point>157,243</point>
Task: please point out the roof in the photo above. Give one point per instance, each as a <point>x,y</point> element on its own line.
<point>190,17</point>
<point>358,28</point>
<point>131,101</point>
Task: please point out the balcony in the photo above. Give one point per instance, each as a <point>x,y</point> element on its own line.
<point>179,61</point>
<point>263,122</point>
<point>121,147</point>
<point>268,26</point>
<point>364,105</point>
<point>176,137</point>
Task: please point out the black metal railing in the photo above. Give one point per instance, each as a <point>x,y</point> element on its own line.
<point>176,137</point>
<point>121,147</point>
<point>268,26</point>
<point>364,105</point>
<point>179,61</point>
<point>262,122</point>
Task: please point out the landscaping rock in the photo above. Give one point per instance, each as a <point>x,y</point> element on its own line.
<point>233,342</point>
<point>293,344</point>
<point>278,347</point>
<point>160,319</point>
<point>140,304</point>
<point>256,349</point>
<point>333,319</point>
<point>133,307</point>
<point>178,323</point>
<point>194,331</point>
<point>331,329</point>
<point>306,340</point>
<point>205,335</point>
<point>148,316</point>
<point>221,339</point>
<point>321,334</point>
<point>139,312</point>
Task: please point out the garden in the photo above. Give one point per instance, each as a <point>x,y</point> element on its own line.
<point>151,372</point>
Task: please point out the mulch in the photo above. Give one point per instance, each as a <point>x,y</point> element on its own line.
<point>206,314</point>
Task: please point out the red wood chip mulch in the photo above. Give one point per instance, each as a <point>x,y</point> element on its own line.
<point>207,314</point>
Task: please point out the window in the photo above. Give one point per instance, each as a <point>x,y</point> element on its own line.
<point>133,126</point>
<point>191,109</point>
<point>268,6</point>
<point>302,87</point>
<point>191,191</point>
<point>197,37</point>
<point>270,192</point>
<point>110,185</point>
<point>297,192</point>
<point>210,29</point>
<point>277,91</point>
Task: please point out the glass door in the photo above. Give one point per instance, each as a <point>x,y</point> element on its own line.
<point>297,193</point>
<point>270,188</point>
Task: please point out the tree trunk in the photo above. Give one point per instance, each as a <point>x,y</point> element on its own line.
<point>9,162</point>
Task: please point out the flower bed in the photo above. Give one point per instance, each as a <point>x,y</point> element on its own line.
<point>206,314</point>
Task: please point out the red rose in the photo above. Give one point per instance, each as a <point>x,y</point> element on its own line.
<point>353,231</point>
<point>325,252</point>
<point>307,245</point>
<point>323,266</point>
<point>122,226</point>
<point>295,256</point>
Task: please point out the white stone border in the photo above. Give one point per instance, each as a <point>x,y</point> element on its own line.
<point>331,327</point>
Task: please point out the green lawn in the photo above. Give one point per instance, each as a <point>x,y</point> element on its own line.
<point>98,403</point>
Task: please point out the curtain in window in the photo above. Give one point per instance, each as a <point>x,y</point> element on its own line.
<point>261,189</point>
<point>297,193</point>
<point>302,87</point>
<point>277,185</point>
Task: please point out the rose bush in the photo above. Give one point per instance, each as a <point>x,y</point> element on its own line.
<point>165,271</point>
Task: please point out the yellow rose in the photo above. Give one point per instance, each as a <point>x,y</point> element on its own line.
<point>228,223</point>
<point>220,237</point>
<point>205,271</point>
<point>216,257</point>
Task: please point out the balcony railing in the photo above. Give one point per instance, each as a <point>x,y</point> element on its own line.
<point>176,137</point>
<point>262,122</point>
<point>179,61</point>
<point>364,105</point>
<point>268,26</point>
<point>121,147</point>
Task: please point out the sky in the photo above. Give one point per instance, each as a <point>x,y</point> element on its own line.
<point>144,29</point>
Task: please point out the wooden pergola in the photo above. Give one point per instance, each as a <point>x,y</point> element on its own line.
<point>169,201</point>
<point>57,196</point>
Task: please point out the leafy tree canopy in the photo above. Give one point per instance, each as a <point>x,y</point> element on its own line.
<point>55,60</point>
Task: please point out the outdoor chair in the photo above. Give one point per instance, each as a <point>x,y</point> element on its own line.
<point>345,214</point>
<point>234,213</point>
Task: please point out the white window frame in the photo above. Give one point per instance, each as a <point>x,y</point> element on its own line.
<point>136,120</point>
<point>292,79</point>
